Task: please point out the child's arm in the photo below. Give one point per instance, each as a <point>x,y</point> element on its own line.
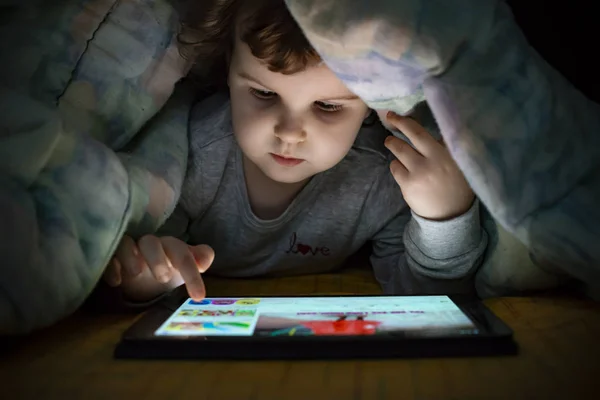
<point>412,255</point>
<point>442,234</point>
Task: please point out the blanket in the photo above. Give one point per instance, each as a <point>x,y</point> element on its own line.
<point>79,79</point>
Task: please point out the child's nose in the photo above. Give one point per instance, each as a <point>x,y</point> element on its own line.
<point>290,130</point>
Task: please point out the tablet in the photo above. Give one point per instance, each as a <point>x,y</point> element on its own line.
<point>317,328</point>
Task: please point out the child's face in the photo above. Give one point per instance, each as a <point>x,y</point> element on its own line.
<point>291,126</point>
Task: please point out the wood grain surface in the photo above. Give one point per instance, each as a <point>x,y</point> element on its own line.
<point>559,359</point>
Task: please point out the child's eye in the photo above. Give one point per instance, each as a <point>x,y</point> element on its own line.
<point>328,107</point>
<point>262,94</point>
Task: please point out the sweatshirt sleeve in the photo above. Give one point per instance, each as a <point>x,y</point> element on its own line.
<point>413,255</point>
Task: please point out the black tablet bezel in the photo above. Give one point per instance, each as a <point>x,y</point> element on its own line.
<point>494,337</point>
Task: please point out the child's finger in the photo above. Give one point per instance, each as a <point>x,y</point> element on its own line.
<point>399,172</point>
<point>112,274</point>
<point>153,253</point>
<point>204,256</point>
<point>129,258</point>
<point>408,156</point>
<point>184,261</point>
<point>419,137</point>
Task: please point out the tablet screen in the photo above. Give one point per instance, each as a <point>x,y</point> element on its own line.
<point>318,316</point>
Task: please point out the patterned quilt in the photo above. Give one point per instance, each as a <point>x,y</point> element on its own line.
<point>80,79</point>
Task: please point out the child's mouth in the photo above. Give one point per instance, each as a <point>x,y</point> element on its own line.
<point>286,161</point>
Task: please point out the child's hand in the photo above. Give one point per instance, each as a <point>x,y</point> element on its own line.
<point>431,182</point>
<point>155,264</point>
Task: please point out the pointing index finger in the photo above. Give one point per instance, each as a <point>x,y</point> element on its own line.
<point>184,261</point>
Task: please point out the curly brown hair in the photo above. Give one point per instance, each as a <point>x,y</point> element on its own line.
<point>208,29</point>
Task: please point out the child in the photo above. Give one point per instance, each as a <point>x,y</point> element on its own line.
<point>286,175</point>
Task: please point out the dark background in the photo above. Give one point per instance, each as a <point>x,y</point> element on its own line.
<point>567,35</point>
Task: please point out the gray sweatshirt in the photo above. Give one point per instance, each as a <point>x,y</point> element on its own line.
<point>334,215</point>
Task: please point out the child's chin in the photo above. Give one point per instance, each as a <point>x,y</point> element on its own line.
<point>288,177</point>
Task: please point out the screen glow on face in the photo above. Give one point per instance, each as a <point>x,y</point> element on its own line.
<point>317,316</point>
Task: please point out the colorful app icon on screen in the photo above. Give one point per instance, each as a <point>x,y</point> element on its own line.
<point>247,302</point>
<point>209,327</point>
<point>223,302</point>
<point>245,313</point>
<point>200,303</point>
